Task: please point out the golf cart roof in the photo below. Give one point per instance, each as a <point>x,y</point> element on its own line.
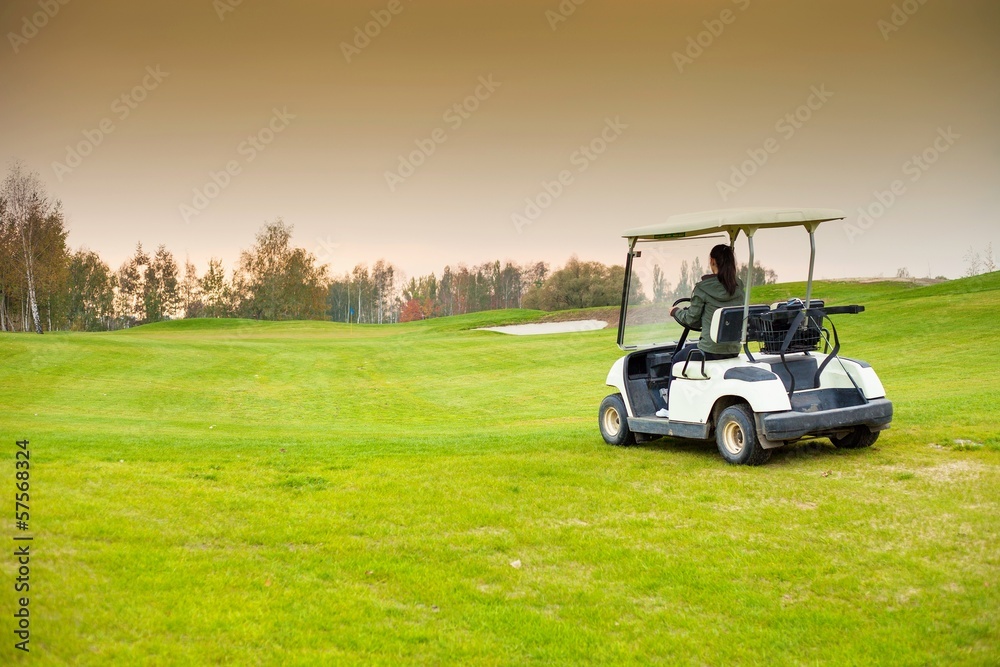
<point>732,221</point>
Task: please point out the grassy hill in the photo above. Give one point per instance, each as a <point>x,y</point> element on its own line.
<point>270,493</point>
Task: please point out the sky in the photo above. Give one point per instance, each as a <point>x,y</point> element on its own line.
<point>439,132</point>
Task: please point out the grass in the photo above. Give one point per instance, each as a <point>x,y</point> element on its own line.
<point>310,493</point>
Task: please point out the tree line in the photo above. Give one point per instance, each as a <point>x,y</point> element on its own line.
<point>44,285</point>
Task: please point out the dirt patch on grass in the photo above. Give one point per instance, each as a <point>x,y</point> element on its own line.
<point>952,471</point>
<point>942,473</point>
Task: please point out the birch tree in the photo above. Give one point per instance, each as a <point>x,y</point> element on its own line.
<point>26,207</point>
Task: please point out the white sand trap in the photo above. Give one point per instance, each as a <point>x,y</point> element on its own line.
<point>548,327</point>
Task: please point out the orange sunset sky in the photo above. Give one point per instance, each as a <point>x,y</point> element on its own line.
<point>426,140</point>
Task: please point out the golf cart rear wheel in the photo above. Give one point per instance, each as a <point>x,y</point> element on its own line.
<point>858,438</point>
<point>613,420</point>
<point>736,435</point>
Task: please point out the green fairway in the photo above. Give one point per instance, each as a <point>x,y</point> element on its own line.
<point>228,491</point>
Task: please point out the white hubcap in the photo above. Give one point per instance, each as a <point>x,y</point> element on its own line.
<point>732,438</point>
<point>612,422</point>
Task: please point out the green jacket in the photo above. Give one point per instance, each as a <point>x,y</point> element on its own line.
<point>709,295</point>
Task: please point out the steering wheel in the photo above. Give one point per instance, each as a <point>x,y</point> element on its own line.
<point>684,334</point>
<point>680,301</point>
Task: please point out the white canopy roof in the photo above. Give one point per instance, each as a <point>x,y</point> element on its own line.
<point>732,221</point>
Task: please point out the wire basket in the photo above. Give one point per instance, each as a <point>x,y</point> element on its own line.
<point>770,330</point>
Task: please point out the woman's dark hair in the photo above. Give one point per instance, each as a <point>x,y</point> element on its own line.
<point>725,262</point>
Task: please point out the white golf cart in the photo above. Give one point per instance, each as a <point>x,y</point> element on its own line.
<point>788,383</point>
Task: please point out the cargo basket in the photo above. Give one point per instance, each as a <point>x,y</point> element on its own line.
<point>771,329</point>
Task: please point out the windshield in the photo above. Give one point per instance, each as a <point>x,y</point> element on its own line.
<point>662,272</point>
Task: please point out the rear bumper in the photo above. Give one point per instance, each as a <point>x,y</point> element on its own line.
<point>876,414</point>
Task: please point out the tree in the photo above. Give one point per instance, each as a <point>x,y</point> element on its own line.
<point>420,299</point>
<point>261,268</point>
<point>384,284</point>
<point>190,291</point>
<point>339,298</point>
<point>278,282</point>
<point>697,272</point>
<point>974,265</point>
<point>761,274</point>
<point>535,274</point>
<point>30,218</point>
<point>362,285</point>
<point>130,305</point>
<point>509,285</point>
<point>685,284</point>
<point>90,292</point>
<point>215,291</point>
<point>304,287</point>
<point>989,264</point>
<point>411,311</point>
<point>160,290</point>
<point>446,296</point>
<point>581,285</point>
<point>8,272</point>
<point>51,268</point>
<point>661,287</point>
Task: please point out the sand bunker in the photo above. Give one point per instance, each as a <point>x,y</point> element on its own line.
<point>549,327</point>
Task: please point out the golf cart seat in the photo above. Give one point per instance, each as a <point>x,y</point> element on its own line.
<point>727,323</point>
<point>769,327</point>
<point>726,327</point>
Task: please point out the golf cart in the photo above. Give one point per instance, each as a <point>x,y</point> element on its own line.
<point>788,383</point>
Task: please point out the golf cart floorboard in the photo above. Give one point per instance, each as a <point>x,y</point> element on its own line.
<point>666,427</point>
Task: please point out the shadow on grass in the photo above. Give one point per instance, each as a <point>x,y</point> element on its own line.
<point>793,454</point>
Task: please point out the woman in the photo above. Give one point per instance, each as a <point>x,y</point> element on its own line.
<point>719,289</point>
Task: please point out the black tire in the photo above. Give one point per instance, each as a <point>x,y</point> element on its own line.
<point>613,422</point>
<point>859,438</point>
<point>736,436</point>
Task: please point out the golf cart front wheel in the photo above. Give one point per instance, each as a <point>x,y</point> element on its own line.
<point>858,438</point>
<point>736,435</point>
<point>613,420</point>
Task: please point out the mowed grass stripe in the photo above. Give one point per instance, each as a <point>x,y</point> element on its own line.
<point>364,491</point>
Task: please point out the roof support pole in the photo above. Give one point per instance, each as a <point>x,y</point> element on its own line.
<point>812,262</point>
<point>626,288</point>
<point>749,284</point>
